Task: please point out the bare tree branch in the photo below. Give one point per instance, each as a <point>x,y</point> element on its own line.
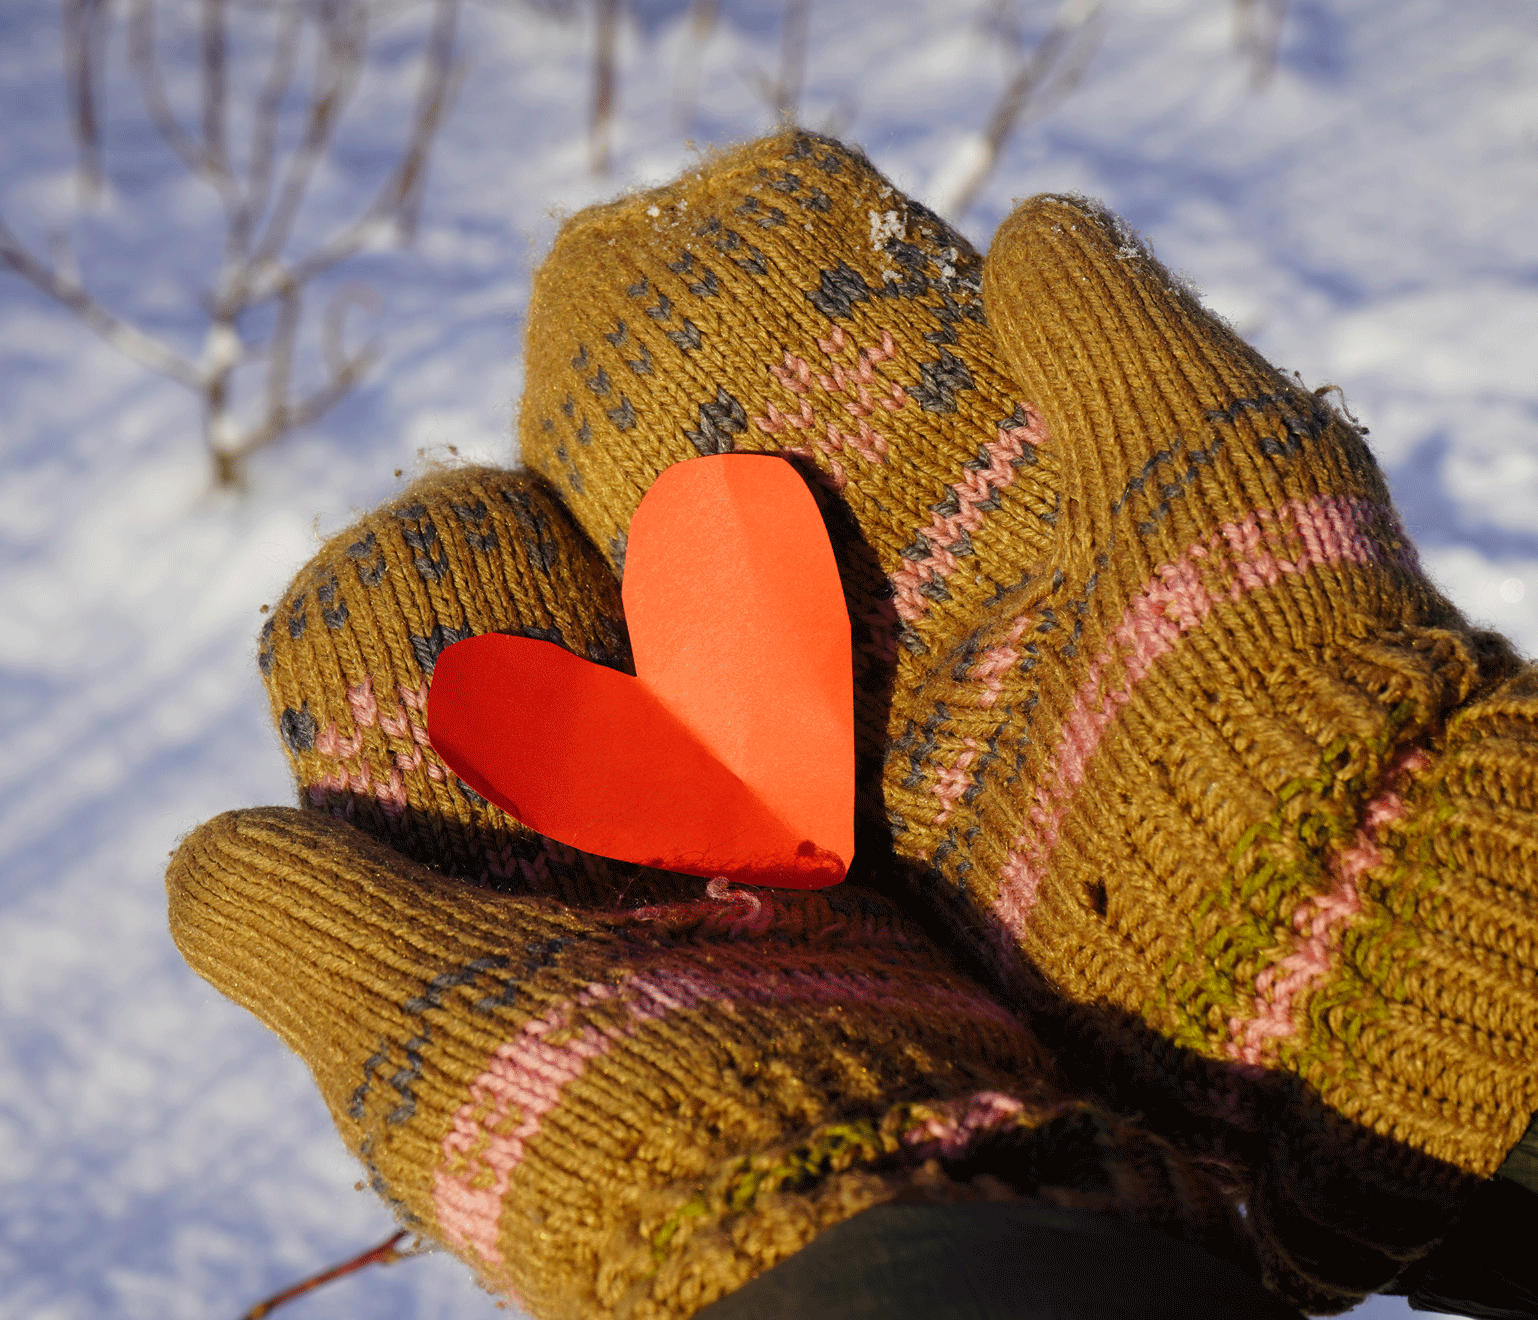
<point>264,133</point>
<point>146,67</point>
<point>338,63</point>
<point>83,23</point>
<point>315,406</point>
<point>334,326</point>
<point>559,9</point>
<point>1043,80</point>
<point>442,77</point>
<point>794,28</point>
<point>280,368</point>
<point>395,205</point>
<point>1258,35</point>
<point>127,339</point>
<point>605,82</point>
<point>703,17</point>
<point>386,1253</point>
<point>213,62</point>
<point>262,200</point>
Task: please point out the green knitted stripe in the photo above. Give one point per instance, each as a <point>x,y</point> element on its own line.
<point>1259,894</point>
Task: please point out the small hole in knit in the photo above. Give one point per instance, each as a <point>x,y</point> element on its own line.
<point>1096,895</point>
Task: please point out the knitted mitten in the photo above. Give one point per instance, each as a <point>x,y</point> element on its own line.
<point>605,1108</point>
<point>1176,736</point>
<point>1235,774</point>
<point>348,654</point>
<point>786,299</point>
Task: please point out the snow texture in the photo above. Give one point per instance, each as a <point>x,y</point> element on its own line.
<point>1366,220</point>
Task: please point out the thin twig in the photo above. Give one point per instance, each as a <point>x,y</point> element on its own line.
<point>442,78</point>
<point>83,21</point>
<point>262,204</point>
<point>794,29</point>
<point>338,64</point>
<point>264,133</point>
<point>127,339</point>
<point>605,83</point>
<point>703,17</point>
<point>146,67</point>
<point>396,204</point>
<point>397,199</point>
<point>213,61</point>
<point>1042,81</point>
<point>563,10</point>
<point>842,115</point>
<point>384,1254</point>
<point>1258,35</point>
<point>280,368</point>
<point>1002,22</point>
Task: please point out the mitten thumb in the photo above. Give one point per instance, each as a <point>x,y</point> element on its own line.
<point>1164,422</point>
<point>387,979</point>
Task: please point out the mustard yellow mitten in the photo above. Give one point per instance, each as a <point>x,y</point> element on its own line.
<point>785,298</point>
<point>1232,775</point>
<point>1175,736</point>
<point>613,1093</point>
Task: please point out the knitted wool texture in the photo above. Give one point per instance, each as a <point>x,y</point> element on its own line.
<point>1177,736</point>
<point>348,654</point>
<point>788,300</point>
<point>1271,795</point>
<point>605,1106</point>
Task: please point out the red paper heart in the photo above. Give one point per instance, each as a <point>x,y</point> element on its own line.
<point>732,750</point>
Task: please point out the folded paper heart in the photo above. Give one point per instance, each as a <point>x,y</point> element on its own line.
<point>731,751</point>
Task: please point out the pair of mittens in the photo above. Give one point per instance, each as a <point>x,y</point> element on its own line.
<point>610,1091</point>
<point>1157,711</point>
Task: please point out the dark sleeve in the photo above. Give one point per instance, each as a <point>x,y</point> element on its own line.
<point>1487,1267</point>
<point>1014,1260</point>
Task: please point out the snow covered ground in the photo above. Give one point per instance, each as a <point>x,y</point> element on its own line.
<point>1367,219</point>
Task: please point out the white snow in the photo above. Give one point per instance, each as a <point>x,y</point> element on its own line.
<point>885,226</point>
<point>1367,220</point>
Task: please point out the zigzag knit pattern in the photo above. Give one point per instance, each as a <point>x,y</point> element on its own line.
<point>347,656</point>
<point>867,356</point>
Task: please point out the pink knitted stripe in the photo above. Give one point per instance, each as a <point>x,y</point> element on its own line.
<point>997,661</point>
<point>976,489</point>
<point>955,1124</point>
<point>1240,557</point>
<point>526,1077</point>
<point>522,1082</point>
<point>952,782</point>
<point>1319,923</point>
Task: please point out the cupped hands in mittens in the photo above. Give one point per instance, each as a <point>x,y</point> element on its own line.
<point>611,1091</point>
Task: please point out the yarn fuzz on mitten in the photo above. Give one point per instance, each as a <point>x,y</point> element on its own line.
<point>1229,772</point>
